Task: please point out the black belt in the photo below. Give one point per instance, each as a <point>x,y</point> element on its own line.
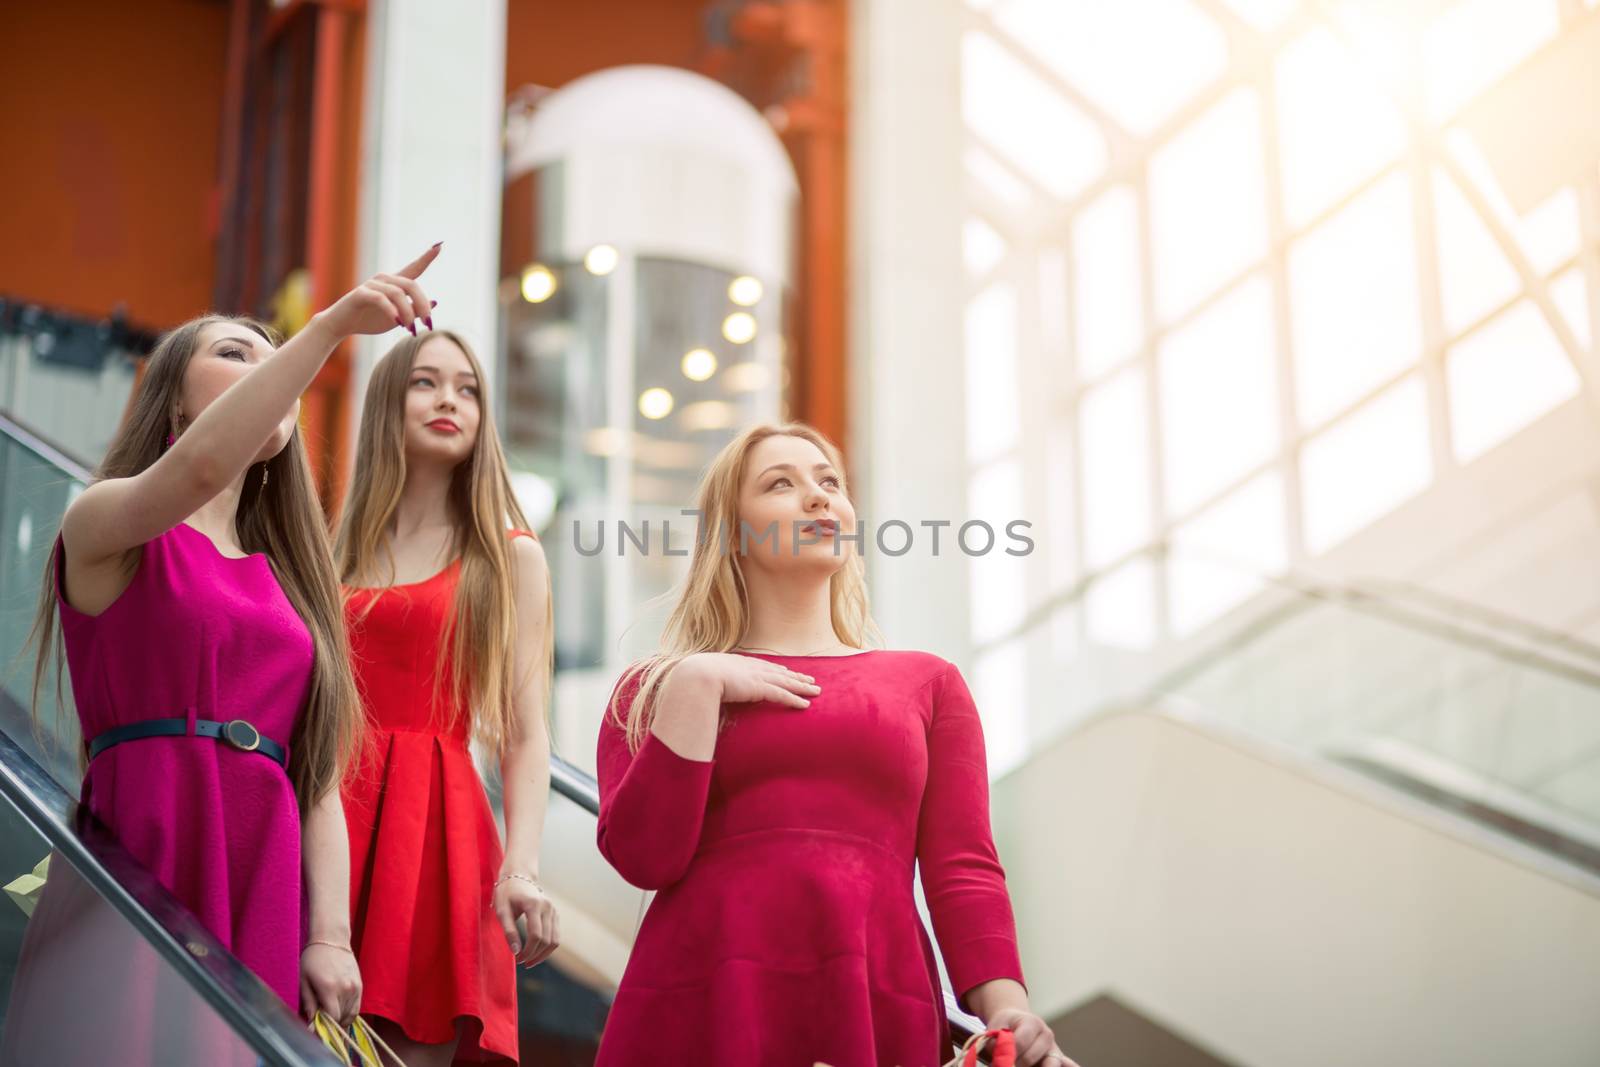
<point>236,732</point>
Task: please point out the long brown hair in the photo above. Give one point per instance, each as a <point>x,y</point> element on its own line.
<point>281,519</point>
<point>483,630</point>
<point>713,606</point>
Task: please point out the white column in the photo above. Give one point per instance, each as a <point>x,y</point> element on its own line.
<point>431,160</point>
<point>908,381</point>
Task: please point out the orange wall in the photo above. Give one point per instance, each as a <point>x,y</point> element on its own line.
<point>111,113</point>
<point>551,42</point>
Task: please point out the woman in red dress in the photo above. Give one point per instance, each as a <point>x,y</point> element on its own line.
<point>778,783</point>
<point>449,618</point>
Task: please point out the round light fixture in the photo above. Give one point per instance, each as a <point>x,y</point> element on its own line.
<point>655,403</point>
<point>699,364</point>
<point>538,284</point>
<point>602,260</point>
<point>745,291</point>
<point>739,327</point>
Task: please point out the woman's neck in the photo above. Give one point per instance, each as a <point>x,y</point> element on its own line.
<point>791,614</point>
<point>424,501</point>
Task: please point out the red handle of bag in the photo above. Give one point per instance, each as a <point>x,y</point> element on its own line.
<point>1005,1049</point>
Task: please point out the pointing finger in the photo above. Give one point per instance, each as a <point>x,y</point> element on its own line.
<point>420,264</point>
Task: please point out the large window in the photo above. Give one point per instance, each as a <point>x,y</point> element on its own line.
<point>1274,271</point>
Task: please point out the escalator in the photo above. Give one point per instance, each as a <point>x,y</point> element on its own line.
<point>1488,717</point>
<point>197,1003</point>
<point>120,973</point>
<point>1358,823</point>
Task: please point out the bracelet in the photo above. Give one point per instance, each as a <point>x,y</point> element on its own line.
<point>507,877</point>
<point>330,944</point>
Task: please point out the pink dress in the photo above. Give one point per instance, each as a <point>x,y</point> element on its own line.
<point>200,635</point>
<point>785,931</point>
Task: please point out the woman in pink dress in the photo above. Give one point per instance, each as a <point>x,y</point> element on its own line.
<point>200,613</point>
<point>779,783</point>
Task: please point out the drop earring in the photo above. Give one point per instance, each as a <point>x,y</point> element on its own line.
<point>264,473</point>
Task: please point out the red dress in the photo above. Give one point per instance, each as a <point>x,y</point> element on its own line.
<point>785,931</point>
<point>424,847</point>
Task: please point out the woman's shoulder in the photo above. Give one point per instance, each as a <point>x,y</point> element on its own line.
<point>913,660</point>
<point>631,677</point>
<point>899,670</point>
<point>913,670</point>
<point>525,545</point>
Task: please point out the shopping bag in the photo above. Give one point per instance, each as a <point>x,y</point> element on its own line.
<point>24,889</point>
<point>1002,1054</point>
<point>358,1046</point>
<point>369,1043</point>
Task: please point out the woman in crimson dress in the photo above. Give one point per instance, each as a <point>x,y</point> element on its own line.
<point>448,607</point>
<point>779,784</point>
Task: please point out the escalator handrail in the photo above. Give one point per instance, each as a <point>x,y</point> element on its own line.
<point>1309,595</point>
<point>582,789</point>
<point>253,1011</point>
<point>1390,589</point>
<point>36,443</point>
<point>1409,605</point>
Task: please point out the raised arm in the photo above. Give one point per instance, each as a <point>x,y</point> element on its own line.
<point>118,514</point>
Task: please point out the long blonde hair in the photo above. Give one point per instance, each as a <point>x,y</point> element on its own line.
<point>483,630</point>
<point>281,519</point>
<point>713,605</point>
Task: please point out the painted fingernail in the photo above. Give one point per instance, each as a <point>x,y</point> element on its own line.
<point>436,244</point>
<point>413,329</point>
<point>433,303</point>
<point>400,324</point>
<point>429,321</point>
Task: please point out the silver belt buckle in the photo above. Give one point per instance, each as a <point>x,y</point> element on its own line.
<point>241,735</point>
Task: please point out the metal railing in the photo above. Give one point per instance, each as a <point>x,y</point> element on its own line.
<point>1383,593</point>
<point>238,996</point>
<point>46,451</point>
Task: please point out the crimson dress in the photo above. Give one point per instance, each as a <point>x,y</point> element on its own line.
<point>424,847</point>
<point>785,931</point>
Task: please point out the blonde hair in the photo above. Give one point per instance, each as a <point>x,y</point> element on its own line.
<point>482,632</point>
<point>281,519</point>
<point>712,611</point>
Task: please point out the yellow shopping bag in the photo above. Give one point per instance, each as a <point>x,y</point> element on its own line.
<point>359,1046</point>
<point>24,889</point>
